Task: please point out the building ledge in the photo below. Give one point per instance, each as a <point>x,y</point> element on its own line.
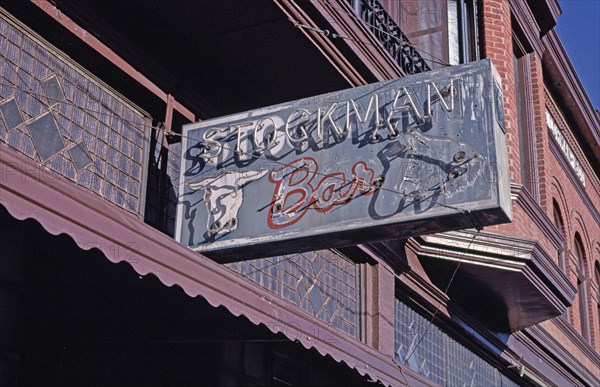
<point>546,13</point>
<point>507,282</point>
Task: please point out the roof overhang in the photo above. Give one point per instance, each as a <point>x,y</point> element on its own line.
<point>507,282</point>
<point>546,13</point>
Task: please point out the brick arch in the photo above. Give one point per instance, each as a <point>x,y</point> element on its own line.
<point>595,252</point>
<point>578,228</point>
<point>559,195</point>
<point>556,207</point>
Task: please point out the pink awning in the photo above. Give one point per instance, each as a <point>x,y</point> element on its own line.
<point>29,190</point>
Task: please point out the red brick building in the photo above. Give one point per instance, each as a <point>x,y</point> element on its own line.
<point>93,96</point>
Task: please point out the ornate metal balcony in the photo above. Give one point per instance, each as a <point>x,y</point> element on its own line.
<point>387,31</point>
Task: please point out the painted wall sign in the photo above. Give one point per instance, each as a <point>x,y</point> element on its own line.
<point>415,155</point>
<point>564,147</point>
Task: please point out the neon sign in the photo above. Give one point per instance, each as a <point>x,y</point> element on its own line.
<point>415,155</point>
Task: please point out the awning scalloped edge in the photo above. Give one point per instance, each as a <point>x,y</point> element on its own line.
<point>28,190</point>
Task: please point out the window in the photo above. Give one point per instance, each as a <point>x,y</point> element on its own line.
<point>444,32</point>
<point>524,108</point>
<point>598,295</point>
<point>325,283</point>
<point>428,349</point>
<point>559,223</point>
<point>581,291</point>
<point>557,215</point>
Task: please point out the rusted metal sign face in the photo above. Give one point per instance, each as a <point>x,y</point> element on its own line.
<point>415,155</point>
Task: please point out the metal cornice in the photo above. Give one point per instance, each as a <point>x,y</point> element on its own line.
<point>546,13</point>
<point>528,261</point>
<point>539,364</point>
<point>576,338</point>
<point>525,19</point>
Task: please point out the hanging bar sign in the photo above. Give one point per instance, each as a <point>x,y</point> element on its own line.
<point>416,155</point>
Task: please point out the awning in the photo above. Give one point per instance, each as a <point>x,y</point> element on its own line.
<point>28,190</point>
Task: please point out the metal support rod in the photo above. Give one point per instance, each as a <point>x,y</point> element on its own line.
<point>109,54</point>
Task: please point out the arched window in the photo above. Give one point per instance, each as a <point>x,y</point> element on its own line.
<point>583,312</point>
<point>597,272</point>
<point>559,223</point>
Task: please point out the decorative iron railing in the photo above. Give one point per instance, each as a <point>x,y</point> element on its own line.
<point>387,31</point>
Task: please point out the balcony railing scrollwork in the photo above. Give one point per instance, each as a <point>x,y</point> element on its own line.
<point>387,31</point>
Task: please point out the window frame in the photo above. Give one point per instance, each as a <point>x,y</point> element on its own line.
<point>581,280</point>
<point>525,120</point>
<point>468,44</point>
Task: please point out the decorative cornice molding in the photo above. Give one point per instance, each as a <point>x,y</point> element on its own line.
<point>542,361</point>
<point>576,338</point>
<point>531,264</point>
<point>545,267</point>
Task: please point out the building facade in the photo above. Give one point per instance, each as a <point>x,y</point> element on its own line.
<point>93,97</point>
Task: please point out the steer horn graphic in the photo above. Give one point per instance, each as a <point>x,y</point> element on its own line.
<point>223,197</point>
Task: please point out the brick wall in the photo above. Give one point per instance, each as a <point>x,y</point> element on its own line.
<point>553,177</point>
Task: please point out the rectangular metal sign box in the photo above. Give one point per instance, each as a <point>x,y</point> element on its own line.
<point>411,156</point>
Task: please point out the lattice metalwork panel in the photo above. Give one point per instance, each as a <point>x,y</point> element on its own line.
<point>60,116</point>
<point>323,283</point>
<point>387,31</point>
<point>425,348</point>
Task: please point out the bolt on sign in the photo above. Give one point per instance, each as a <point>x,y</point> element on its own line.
<point>415,155</point>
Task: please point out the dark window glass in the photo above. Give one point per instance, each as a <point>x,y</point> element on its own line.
<point>559,223</point>
<point>581,291</point>
<point>598,296</point>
